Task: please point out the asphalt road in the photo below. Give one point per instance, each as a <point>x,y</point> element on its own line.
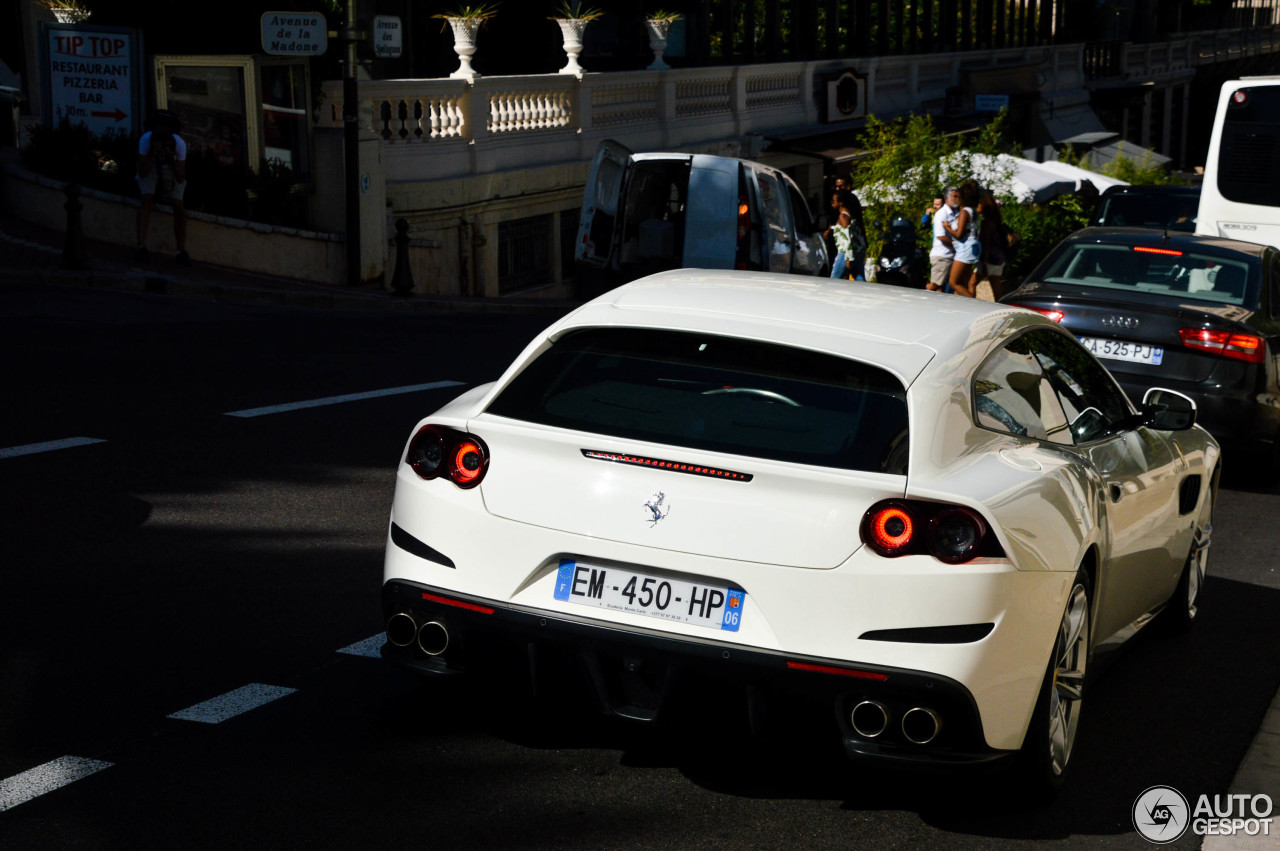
<point>191,556</point>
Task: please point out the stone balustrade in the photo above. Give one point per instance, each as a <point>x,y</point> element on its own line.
<point>496,123</point>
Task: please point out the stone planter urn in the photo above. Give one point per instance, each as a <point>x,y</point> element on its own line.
<point>70,16</point>
<point>465,32</point>
<point>658,30</point>
<point>572,30</point>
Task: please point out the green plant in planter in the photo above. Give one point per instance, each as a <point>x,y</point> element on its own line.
<point>662,16</point>
<point>480,12</point>
<point>68,11</point>
<point>575,10</point>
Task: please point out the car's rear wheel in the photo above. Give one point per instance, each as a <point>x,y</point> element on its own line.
<point>1051,737</point>
<point>1184,605</point>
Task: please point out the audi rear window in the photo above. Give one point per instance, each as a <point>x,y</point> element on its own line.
<point>724,394</point>
<point>1198,275</point>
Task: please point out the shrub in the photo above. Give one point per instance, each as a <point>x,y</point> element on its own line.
<point>71,153</point>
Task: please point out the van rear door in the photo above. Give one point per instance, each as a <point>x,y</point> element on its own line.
<point>598,230</point>
<point>778,229</point>
<point>711,220</point>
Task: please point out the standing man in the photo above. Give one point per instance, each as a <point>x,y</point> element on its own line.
<point>162,165</point>
<point>943,252</point>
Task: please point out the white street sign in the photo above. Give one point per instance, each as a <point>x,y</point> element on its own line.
<point>294,33</point>
<point>388,36</point>
<point>91,79</point>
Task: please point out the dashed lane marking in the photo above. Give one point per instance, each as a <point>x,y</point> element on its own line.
<point>233,703</point>
<point>47,446</point>
<point>46,778</point>
<point>337,400</point>
<point>369,647</point>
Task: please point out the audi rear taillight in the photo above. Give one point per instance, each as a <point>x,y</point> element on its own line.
<point>1055,315</point>
<point>438,451</point>
<point>1245,347</point>
<point>950,533</point>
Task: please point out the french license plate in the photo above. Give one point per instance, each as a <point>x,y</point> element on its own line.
<point>1122,350</point>
<point>713,606</point>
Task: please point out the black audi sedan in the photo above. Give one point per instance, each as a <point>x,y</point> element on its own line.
<point>1196,314</point>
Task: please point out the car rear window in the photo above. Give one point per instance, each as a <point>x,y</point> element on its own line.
<point>1163,210</point>
<point>724,394</point>
<point>1199,276</point>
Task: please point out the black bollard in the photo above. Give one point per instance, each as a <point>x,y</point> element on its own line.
<point>73,248</point>
<point>402,281</point>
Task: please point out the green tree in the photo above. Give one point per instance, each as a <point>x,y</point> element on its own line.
<point>910,160</point>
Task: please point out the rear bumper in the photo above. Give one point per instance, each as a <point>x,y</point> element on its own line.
<point>637,674</point>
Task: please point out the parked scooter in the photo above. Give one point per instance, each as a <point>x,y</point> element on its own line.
<point>901,264</point>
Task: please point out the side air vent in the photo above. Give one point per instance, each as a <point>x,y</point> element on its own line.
<point>1188,494</point>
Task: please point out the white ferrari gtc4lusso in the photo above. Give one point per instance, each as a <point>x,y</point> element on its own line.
<point>924,509</point>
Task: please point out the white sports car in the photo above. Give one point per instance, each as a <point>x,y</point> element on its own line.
<point>927,509</point>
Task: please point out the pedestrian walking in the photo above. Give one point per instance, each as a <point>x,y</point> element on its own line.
<point>162,167</point>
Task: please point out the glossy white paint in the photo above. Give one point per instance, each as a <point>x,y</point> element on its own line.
<point>790,537</point>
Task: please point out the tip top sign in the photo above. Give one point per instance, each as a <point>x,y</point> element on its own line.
<point>294,33</point>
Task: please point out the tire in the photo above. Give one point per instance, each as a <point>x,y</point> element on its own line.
<point>1051,736</point>
<point>1184,605</point>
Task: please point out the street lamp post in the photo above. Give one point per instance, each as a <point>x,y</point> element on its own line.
<point>351,147</point>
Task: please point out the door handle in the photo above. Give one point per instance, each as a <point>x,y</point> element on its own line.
<point>1115,491</point>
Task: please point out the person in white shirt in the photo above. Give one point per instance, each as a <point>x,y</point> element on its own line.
<point>162,165</point>
<point>943,252</point>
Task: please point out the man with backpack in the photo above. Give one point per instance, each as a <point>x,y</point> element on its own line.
<point>162,166</point>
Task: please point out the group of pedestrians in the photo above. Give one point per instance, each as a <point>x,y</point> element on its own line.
<point>970,241</point>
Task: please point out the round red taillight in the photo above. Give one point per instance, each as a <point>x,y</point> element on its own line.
<point>439,451</point>
<point>468,464</point>
<point>955,534</point>
<point>888,528</point>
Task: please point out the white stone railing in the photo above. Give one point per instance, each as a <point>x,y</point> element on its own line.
<point>494,123</point>
<point>1163,59</point>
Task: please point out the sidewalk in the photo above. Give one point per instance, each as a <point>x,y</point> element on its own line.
<point>33,254</point>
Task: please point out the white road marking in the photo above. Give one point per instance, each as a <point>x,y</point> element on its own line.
<point>47,446</point>
<point>368,647</point>
<point>233,703</point>
<point>46,778</point>
<point>337,400</point>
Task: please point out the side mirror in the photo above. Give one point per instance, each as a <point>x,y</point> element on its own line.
<point>1167,410</point>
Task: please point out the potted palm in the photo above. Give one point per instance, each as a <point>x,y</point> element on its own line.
<point>659,24</point>
<point>67,11</point>
<point>573,17</point>
<point>466,21</point>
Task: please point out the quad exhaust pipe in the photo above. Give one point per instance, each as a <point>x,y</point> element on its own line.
<point>869,719</point>
<point>920,726</point>
<point>433,638</point>
<point>401,629</point>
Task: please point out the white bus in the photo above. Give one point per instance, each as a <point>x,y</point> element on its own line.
<point>1240,198</point>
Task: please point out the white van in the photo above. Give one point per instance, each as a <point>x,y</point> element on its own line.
<point>1240,198</point>
<point>646,213</point>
